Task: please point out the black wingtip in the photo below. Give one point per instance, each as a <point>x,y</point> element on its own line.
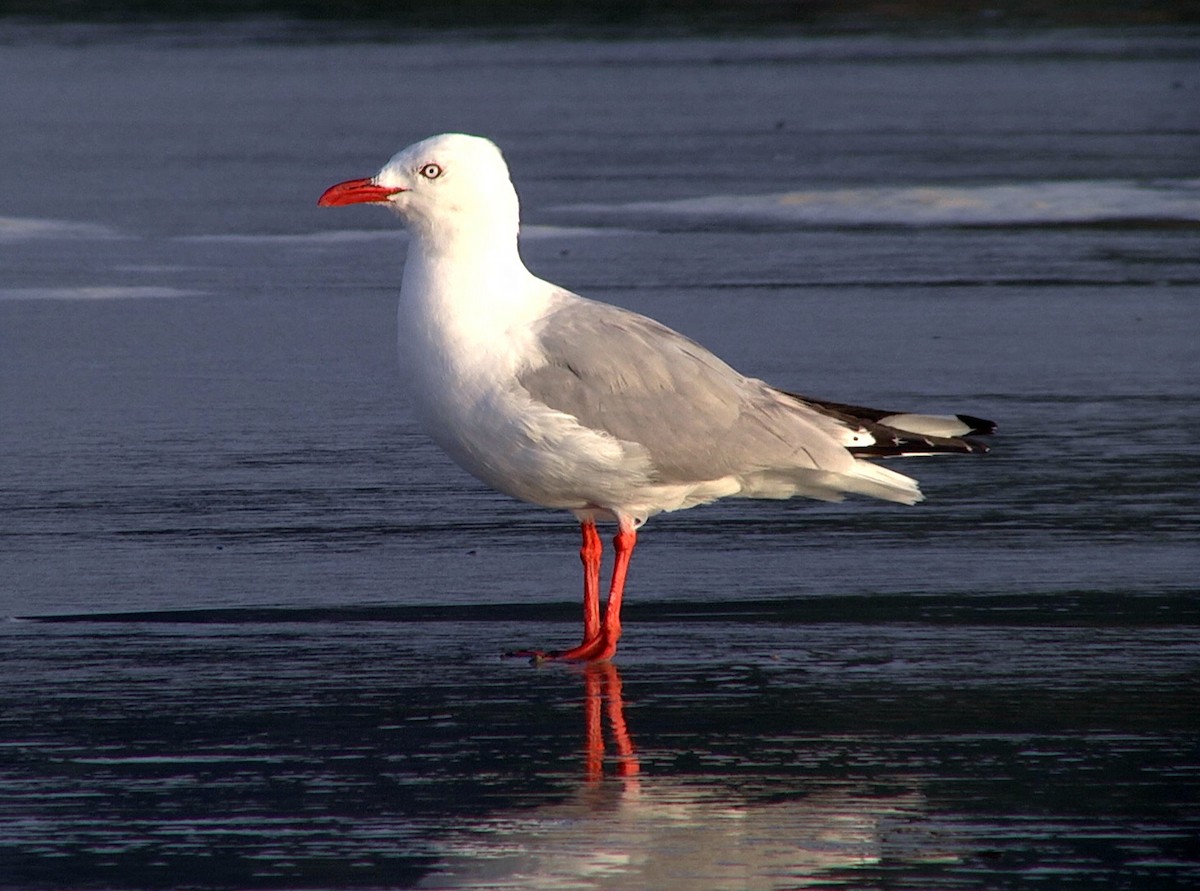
<point>979,426</point>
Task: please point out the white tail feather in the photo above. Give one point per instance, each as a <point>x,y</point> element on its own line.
<point>879,482</point>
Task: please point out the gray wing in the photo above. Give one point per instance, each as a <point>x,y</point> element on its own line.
<point>641,382</point>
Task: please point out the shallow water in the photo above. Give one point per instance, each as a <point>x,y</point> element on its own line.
<point>261,616</point>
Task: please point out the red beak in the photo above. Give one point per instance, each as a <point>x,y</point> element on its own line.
<point>355,191</point>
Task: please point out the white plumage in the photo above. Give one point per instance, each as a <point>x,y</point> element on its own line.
<point>583,406</point>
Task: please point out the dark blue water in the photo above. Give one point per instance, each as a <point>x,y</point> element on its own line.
<point>252,619</point>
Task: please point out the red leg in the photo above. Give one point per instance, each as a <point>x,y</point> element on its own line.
<point>590,553</point>
<point>604,645</point>
<point>599,639</point>
<point>623,543</point>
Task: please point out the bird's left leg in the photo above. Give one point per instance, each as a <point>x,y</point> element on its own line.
<point>589,554</point>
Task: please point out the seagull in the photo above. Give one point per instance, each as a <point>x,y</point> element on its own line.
<point>578,405</point>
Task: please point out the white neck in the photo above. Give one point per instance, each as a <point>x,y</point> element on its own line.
<point>466,299</point>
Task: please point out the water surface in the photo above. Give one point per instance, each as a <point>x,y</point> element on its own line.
<point>253,619</point>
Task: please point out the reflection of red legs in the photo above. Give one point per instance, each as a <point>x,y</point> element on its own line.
<point>599,638</point>
<point>627,763</point>
<point>602,681</point>
<point>593,761</point>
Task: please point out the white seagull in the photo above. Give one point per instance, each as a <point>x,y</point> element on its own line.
<point>573,404</point>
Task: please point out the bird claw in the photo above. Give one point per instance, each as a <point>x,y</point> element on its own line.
<point>598,649</point>
<point>535,657</point>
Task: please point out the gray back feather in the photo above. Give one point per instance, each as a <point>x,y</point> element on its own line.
<point>641,382</point>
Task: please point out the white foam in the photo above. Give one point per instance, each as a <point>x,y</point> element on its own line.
<point>1011,204</point>
<point>338,236</point>
<point>539,232</point>
<point>326,237</point>
<point>94,293</point>
<point>22,228</point>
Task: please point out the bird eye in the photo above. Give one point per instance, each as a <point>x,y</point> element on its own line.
<point>431,171</point>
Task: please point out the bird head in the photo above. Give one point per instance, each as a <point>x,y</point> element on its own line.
<point>442,184</point>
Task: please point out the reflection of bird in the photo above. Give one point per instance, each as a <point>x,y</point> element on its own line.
<point>633,831</point>
<point>674,836</point>
<point>573,404</point>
